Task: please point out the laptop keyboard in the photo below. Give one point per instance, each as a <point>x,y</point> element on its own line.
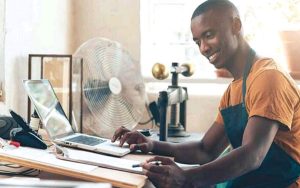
<point>91,141</point>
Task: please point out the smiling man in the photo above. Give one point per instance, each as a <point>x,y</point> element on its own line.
<point>259,116</point>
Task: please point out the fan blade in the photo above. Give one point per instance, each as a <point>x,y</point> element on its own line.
<point>95,93</point>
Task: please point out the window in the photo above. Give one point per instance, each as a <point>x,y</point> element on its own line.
<point>166,35</point>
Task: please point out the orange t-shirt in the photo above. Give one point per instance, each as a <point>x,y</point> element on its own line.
<point>273,94</point>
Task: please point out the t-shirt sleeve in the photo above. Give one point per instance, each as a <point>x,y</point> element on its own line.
<point>219,118</point>
<point>223,104</point>
<point>271,95</point>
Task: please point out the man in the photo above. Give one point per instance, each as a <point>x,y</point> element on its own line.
<point>259,116</point>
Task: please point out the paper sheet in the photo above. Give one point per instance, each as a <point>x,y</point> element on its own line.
<point>103,160</point>
<point>46,156</point>
<point>110,162</point>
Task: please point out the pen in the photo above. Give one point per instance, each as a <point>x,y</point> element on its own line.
<point>152,162</point>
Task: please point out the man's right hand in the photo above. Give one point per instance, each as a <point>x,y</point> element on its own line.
<point>135,139</point>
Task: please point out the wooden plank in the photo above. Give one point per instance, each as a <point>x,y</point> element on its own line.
<point>115,177</point>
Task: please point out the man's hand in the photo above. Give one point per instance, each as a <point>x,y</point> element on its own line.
<point>167,175</point>
<point>136,140</point>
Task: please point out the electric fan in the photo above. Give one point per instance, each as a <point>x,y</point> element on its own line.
<point>113,90</point>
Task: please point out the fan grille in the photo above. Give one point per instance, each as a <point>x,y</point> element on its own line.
<point>104,60</point>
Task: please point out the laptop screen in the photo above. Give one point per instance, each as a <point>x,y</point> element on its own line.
<point>48,108</point>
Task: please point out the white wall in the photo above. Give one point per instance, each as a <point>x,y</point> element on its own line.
<point>32,26</point>
<point>118,20</point>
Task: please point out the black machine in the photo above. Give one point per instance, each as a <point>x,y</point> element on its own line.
<point>24,134</point>
<point>6,125</point>
<point>172,97</point>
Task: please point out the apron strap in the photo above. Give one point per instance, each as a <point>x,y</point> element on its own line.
<point>247,69</point>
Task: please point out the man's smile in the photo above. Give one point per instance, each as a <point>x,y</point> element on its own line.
<point>212,58</point>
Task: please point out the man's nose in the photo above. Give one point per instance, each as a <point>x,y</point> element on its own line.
<point>204,47</point>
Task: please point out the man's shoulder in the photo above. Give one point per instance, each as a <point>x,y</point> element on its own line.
<point>267,76</point>
<point>264,64</point>
<point>267,70</point>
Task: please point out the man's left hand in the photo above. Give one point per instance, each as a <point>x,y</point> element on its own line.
<point>167,174</point>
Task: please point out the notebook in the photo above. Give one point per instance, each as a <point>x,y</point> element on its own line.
<point>57,125</point>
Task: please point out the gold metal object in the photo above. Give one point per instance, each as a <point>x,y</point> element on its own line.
<point>159,71</point>
<point>190,69</point>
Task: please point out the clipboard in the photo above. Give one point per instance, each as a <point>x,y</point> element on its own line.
<point>96,159</point>
<point>104,161</point>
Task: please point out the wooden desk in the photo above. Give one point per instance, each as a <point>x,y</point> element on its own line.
<point>115,177</point>
<point>98,174</point>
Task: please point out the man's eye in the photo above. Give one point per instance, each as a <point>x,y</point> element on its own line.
<point>208,35</point>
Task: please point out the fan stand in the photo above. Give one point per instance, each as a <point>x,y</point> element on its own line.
<point>172,97</point>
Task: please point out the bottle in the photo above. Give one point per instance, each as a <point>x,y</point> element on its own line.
<point>35,121</point>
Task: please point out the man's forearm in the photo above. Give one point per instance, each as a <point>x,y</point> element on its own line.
<point>235,164</point>
<point>189,152</point>
<point>163,148</point>
<point>192,152</point>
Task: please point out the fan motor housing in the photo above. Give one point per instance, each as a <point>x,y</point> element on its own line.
<point>115,85</point>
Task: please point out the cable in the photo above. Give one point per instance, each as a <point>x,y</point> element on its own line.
<point>146,122</point>
<point>153,112</point>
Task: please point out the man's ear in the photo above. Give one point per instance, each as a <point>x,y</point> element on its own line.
<point>236,25</point>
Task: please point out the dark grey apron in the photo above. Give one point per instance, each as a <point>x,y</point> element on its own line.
<point>278,169</point>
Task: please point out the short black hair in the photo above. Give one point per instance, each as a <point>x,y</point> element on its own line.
<point>209,4</point>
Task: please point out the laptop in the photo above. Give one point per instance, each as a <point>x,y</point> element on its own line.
<point>57,125</point>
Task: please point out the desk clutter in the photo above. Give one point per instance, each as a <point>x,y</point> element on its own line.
<point>18,131</point>
<point>15,132</point>
<point>25,135</point>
